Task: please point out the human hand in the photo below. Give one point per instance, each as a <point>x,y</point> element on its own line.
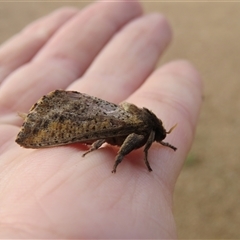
<point>108,50</point>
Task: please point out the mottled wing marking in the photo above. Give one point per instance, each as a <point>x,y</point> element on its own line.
<point>63,117</point>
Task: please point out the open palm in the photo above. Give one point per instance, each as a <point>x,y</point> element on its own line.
<point>108,50</point>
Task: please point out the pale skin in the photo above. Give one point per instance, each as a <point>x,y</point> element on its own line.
<point>108,50</point>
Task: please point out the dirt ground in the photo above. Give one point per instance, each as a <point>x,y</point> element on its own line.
<point>208,34</point>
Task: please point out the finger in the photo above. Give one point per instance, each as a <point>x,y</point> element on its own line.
<point>22,47</point>
<point>127,60</point>
<point>67,55</point>
<point>174,94</point>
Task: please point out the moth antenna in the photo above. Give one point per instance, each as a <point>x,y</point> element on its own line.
<point>22,115</point>
<point>170,130</point>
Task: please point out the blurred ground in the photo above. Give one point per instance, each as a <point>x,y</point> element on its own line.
<point>208,34</point>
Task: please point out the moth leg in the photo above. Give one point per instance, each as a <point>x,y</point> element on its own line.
<point>133,141</point>
<point>168,145</point>
<point>97,144</point>
<point>150,140</point>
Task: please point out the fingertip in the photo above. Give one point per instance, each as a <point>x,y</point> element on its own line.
<point>162,26</point>
<point>182,82</point>
<point>66,11</point>
<point>183,69</point>
<point>178,88</point>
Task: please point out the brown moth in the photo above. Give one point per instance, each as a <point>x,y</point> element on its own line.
<point>64,117</point>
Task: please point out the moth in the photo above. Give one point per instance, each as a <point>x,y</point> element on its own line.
<point>64,117</point>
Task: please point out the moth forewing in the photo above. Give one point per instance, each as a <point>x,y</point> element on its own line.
<point>68,117</point>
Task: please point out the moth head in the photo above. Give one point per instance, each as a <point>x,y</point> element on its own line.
<point>157,126</point>
<point>161,133</point>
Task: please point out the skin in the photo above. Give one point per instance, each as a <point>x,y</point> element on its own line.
<point>55,193</point>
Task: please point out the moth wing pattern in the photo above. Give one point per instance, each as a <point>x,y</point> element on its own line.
<point>63,117</point>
